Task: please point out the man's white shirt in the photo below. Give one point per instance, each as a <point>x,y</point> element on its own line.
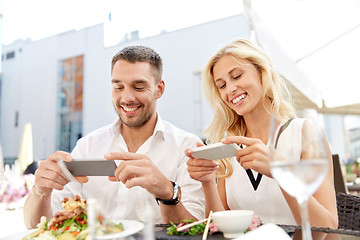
<point>165,148</point>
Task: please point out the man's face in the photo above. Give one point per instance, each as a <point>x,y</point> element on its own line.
<point>134,92</point>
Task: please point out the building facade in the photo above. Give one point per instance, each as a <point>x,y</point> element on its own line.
<point>62,84</point>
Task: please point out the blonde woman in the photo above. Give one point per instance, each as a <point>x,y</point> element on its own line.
<point>244,90</point>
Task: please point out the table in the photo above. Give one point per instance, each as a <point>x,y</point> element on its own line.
<point>293,231</point>
<point>11,220</point>
<point>323,233</point>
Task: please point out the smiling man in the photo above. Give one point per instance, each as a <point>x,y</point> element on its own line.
<point>149,152</point>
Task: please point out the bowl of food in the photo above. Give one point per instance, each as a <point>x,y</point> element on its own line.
<point>233,223</point>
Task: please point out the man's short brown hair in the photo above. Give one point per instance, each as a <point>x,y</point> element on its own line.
<point>135,54</point>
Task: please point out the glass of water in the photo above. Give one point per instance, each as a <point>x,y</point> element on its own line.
<point>299,158</point>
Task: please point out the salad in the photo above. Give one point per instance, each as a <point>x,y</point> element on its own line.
<point>199,228</point>
<point>71,223</point>
<point>194,230</point>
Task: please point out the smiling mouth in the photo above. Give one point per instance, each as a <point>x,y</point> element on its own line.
<point>130,109</point>
<point>239,98</point>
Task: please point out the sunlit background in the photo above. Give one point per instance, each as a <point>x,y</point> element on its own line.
<point>314,44</point>
<point>55,70</point>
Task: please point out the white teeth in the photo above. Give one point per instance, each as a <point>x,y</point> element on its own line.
<point>129,109</point>
<point>238,99</point>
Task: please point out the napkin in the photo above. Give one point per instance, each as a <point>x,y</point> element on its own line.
<point>267,231</point>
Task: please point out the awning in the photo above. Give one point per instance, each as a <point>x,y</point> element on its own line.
<point>324,74</point>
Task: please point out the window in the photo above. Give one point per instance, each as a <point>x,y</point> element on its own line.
<point>10,55</point>
<point>70,103</point>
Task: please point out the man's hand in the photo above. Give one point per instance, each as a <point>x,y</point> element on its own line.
<point>49,176</point>
<point>139,170</point>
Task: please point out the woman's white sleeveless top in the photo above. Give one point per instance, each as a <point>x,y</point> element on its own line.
<point>267,201</point>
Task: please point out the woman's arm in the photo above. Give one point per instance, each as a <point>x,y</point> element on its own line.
<point>222,193</point>
<point>213,201</point>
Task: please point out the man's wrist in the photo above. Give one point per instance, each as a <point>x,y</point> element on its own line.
<point>38,192</point>
<point>176,196</point>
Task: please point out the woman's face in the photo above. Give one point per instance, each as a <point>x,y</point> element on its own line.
<point>239,84</point>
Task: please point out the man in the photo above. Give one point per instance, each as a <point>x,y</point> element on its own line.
<point>149,153</point>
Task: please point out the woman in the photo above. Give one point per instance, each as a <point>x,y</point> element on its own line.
<point>245,91</point>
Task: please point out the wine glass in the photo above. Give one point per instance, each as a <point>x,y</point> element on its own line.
<point>298,160</point>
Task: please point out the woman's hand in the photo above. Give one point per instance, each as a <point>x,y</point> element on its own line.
<point>201,170</point>
<point>254,156</point>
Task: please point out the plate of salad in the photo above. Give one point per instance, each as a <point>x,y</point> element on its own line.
<point>71,223</point>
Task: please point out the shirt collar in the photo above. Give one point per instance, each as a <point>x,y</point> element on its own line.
<point>158,130</point>
<point>159,127</point>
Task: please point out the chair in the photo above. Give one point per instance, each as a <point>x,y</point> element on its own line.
<point>348,207</point>
<point>31,168</point>
<point>338,176</point>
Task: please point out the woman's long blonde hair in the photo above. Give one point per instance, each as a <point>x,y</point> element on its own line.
<point>226,121</point>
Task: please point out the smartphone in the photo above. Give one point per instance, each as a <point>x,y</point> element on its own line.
<point>216,151</point>
<point>91,167</point>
